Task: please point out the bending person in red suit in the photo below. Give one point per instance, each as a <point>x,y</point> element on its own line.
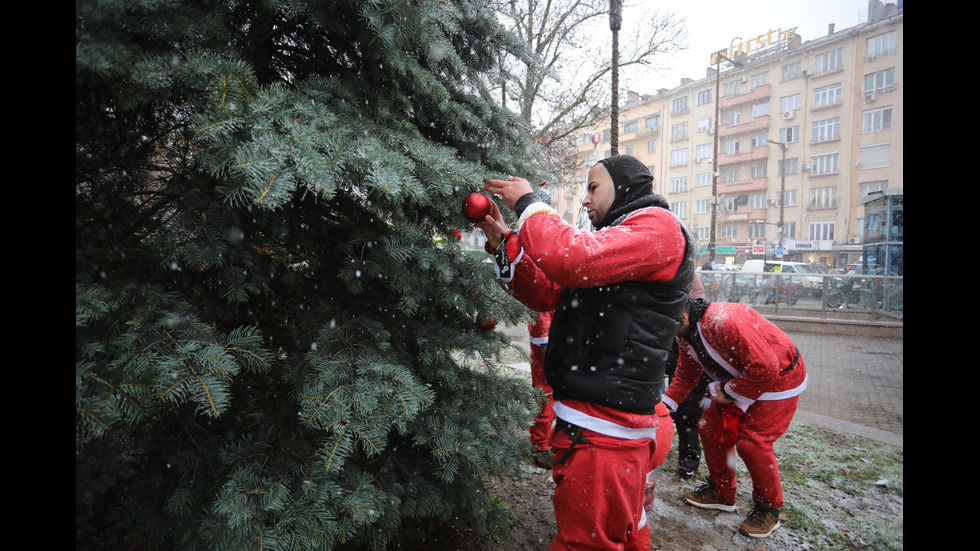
<point>757,376</point>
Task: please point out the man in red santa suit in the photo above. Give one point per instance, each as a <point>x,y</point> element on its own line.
<point>618,296</point>
<point>757,376</point>
<point>540,431</point>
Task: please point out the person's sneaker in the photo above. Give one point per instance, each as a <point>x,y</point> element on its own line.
<point>760,523</point>
<point>706,497</point>
<point>543,459</point>
<point>686,473</point>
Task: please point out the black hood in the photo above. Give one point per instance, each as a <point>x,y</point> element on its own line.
<point>633,186</point>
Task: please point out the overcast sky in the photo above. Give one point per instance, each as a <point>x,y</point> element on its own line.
<point>713,24</point>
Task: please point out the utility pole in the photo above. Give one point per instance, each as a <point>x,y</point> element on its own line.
<point>615,24</point>
<point>782,193</point>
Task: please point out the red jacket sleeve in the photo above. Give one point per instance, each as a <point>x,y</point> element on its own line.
<point>648,246</point>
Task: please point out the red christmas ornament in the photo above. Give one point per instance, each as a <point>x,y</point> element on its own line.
<point>457,235</point>
<point>489,324</point>
<point>476,207</point>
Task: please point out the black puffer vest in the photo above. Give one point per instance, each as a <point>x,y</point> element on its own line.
<point>608,345</point>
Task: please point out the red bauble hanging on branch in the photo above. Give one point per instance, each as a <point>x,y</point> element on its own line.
<point>476,207</point>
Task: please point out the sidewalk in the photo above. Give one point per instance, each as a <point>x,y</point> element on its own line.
<point>855,383</point>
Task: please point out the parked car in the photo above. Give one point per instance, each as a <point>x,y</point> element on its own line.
<point>811,285</point>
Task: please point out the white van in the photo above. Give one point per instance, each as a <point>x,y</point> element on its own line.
<point>796,269</point>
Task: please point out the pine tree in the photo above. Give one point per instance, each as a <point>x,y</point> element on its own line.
<point>277,343</point>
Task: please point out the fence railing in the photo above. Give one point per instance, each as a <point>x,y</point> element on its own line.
<point>877,298</point>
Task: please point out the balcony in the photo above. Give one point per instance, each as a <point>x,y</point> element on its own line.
<point>761,92</point>
<point>760,123</point>
<point>757,154</point>
<point>755,184</point>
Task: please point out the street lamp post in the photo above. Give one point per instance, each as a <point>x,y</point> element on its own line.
<point>718,56</point>
<point>716,59</point>
<point>782,191</point>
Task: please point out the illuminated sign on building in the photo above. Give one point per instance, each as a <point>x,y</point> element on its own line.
<point>766,40</point>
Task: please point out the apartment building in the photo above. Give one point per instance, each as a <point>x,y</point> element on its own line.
<point>791,134</point>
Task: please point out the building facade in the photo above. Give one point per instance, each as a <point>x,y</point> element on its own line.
<point>788,134</point>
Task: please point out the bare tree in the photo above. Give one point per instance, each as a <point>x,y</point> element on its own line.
<point>568,85</point>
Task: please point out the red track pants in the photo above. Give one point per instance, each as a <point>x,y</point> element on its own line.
<point>758,428</point>
<point>541,429</point>
<point>599,489</point>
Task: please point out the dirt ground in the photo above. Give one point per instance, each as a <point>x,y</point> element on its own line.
<point>675,525</point>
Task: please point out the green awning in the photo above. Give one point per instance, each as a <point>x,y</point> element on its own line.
<point>719,250</point>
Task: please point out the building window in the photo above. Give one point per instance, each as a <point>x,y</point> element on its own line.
<point>703,233</point>
<point>882,45</point>
<point>679,105</point>
<point>730,146</point>
<point>704,96</point>
<point>651,146</point>
<point>789,103</point>
<point>760,110</point>
<point>760,79</point>
<point>824,164</point>
<point>875,156</point>
<point>679,131</point>
<point>630,150</point>
<point>823,197</point>
<point>704,125</point>
<point>702,206</point>
<point>679,208</point>
<point>877,119</point>
<point>757,231</point>
<point>830,61</point>
<point>758,170</point>
<point>731,89</point>
<point>678,184</point>
<point>631,126</point>
<point>678,157</point>
<point>757,201</point>
<point>730,175</point>
<point>827,95</point>
<point>789,230</point>
<point>759,140</point>
<point>733,117</point>
<point>792,166</point>
<point>792,70</point>
<point>867,188</point>
<point>652,123</point>
<point>879,82</point>
<point>729,231</point>
<point>789,196</point>
<point>822,231</point>
<point>702,179</point>
<point>703,151</point>
<point>789,134</point>
<point>826,130</point>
